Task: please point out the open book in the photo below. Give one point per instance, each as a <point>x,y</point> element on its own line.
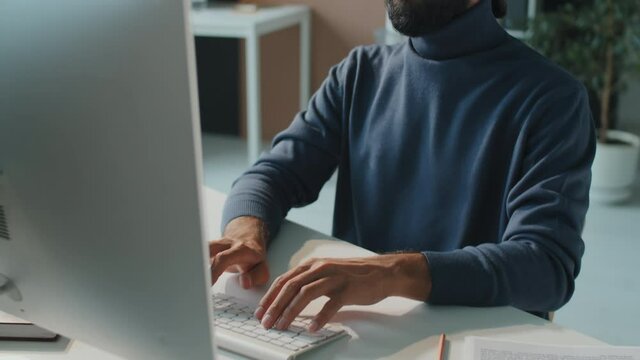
<point>477,348</point>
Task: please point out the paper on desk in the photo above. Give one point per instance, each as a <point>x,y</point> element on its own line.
<point>478,348</point>
<point>8,319</point>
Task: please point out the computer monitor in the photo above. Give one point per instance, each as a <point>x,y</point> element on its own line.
<point>101,237</point>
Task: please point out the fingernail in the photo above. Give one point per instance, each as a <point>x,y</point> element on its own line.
<point>314,326</point>
<point>266,321</point>
<point>280,324</point>
<point>259,312</point>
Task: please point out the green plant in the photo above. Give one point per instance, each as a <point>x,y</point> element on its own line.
<point>598,41</point>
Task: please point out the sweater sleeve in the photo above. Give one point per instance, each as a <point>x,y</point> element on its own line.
<point>302,158</point>
<point>534,265</point>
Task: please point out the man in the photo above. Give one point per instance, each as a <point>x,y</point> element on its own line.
<point>464,159</point>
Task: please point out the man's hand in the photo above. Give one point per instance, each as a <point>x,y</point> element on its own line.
<point>357,281</point>
<point>242,249</point>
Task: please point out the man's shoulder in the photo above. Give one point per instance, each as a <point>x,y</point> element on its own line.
<point>554,98</point>
<point>542,71</point>
<point>377,51</point>
<point>373,55</point>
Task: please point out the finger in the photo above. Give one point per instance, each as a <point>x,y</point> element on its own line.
<point>286,294</point>
<point>218,262</point>
<point>275,288</point>
<point>229,257</point>
<point>329,310</point>
<point>258,275</point>
<point>307,294</point>
<point>218,246</point>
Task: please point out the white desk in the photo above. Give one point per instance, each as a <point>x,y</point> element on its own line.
<point>224,21</point>
<point>395,328</point>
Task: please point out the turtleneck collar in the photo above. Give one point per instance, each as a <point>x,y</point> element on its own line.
<point>473,31</point>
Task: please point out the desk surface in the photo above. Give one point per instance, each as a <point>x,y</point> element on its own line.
<point>395,328</point>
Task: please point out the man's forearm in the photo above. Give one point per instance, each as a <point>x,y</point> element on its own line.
<point>404,274</point>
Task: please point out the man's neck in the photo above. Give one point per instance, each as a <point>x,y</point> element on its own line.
<point>473,31</point>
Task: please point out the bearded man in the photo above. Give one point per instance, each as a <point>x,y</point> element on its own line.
<point>463,159</point>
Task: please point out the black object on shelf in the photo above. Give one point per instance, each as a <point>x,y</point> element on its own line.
<point>217,62</point>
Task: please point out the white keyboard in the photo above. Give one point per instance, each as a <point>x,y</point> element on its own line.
<point>239,331</point>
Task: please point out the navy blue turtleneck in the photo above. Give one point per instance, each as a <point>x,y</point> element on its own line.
<point>463,144</point>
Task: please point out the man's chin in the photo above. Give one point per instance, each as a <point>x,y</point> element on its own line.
<point>416,18</point>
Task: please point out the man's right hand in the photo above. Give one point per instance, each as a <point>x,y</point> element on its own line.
<point>243,249</point>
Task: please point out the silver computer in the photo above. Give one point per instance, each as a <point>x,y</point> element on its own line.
<point>101,235</point>
<point>101,238</point>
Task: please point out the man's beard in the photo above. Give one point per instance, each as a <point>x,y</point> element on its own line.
<point>419,17</point>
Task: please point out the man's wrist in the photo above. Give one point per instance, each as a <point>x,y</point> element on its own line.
<point>408,276</point>
<point>247,227</point>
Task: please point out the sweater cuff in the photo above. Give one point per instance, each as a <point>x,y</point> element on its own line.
<point>457,278</point>
<point>235,208</point>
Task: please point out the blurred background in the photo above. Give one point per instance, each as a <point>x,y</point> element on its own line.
<point>596,40</point>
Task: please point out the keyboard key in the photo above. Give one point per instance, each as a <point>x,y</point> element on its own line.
<point>264,338</point>
<point>297,329</point>
<point>325,332</point>
<point>299,324</point>
<point>308,339</point>
<point>222,305</point>
<point>260,330</point>
<point>277,342</point>
<point>243,317</point>
<point>299,344</point>
<point>252,322</point>
<point>225,315</point>
<point>291,347</point>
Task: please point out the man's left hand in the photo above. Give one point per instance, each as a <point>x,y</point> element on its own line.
<point>355,281</point>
